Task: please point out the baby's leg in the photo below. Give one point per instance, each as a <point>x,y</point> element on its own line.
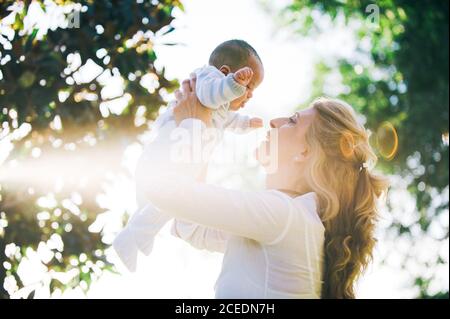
<point>146,225</point>
<point>139,234</point>
<point>143,226</point>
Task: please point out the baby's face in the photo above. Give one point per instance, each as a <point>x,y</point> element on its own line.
<point>258,76</point>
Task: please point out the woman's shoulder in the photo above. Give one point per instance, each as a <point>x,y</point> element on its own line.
<point>308,207</point>
<point>305,207</point>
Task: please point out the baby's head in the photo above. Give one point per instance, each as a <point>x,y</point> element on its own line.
<point>233,55</point>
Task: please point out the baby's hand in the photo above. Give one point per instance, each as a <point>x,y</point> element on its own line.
<point>243,76</point>
<point>256,122</point>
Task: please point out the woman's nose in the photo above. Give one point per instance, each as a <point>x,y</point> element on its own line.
<point>276,122</point>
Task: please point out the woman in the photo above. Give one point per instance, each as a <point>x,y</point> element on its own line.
<point>310,234</point>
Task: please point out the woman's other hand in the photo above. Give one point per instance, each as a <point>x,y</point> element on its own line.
<point>188,105</point>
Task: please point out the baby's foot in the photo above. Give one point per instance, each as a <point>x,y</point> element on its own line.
<point>243,76</point>
<point>256,122</point>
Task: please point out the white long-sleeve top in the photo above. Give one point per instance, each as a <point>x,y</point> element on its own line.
<point>273,243</point>
<point>215,91</point>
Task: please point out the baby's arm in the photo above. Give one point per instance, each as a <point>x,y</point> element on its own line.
<point>243,76</point>
<point>214,89</point>
<point>241,123</point>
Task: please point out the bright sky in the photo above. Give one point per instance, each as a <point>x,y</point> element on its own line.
<point>288,60</point>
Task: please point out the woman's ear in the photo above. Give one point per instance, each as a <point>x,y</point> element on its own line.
<point>302,155</point>
<point>225,69</point>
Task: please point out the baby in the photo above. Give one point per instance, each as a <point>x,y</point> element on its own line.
<point>225,85</point>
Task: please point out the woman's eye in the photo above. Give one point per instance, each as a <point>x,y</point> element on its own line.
<point>291,120</point>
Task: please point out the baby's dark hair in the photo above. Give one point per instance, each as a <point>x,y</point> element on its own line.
<point>234,53</point>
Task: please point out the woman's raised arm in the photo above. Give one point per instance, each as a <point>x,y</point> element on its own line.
<point>199,236</point>
<point>260,215</point>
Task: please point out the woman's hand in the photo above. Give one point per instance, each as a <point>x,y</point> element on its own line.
<point>188,105</point>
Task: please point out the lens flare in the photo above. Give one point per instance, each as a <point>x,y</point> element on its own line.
<point>55,169</point>
<point>387,140</point>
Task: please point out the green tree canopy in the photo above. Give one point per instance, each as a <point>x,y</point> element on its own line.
<point>54,100</point>
<point>404,84</point>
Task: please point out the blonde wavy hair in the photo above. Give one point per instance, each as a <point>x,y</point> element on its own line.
<point>340,174</point>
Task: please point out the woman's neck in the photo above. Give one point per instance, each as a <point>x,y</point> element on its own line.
<point>286,183</point>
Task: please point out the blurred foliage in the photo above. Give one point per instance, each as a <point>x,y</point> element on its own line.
<point>41,88</point>
<point>405,83</point>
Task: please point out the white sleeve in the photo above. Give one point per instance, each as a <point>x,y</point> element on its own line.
<point>176,149</point>
<point>162,119</point>
<point>213,89</point>
<point>200,237</point>
<point>259,215</point>
<point>237,122</point>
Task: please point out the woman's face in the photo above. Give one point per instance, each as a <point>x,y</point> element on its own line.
<point>286,140</point>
